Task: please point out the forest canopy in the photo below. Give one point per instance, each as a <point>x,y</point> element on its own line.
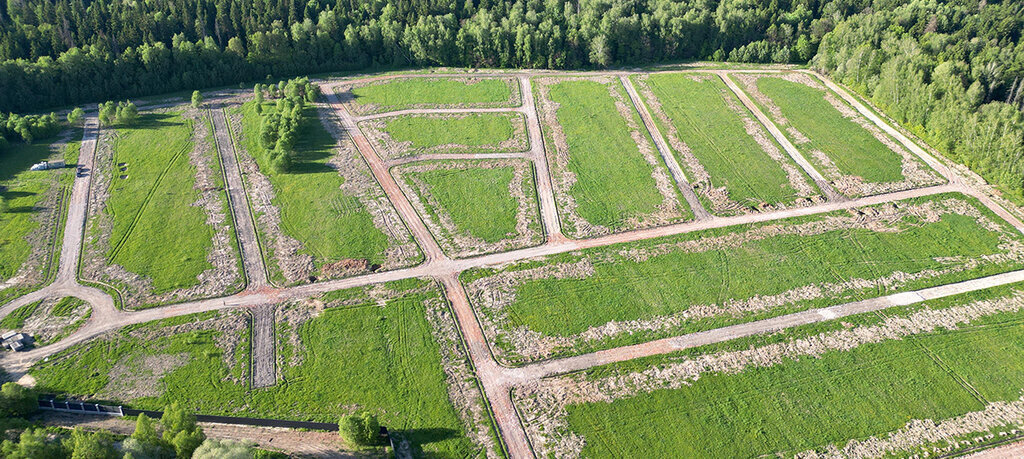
<point>951,71</point>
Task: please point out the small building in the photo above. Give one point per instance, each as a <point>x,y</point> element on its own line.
<point>14,341</point>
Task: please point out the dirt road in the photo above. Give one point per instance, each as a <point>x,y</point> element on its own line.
<point>823,184</point>
<point>496,380</point>
<point>238,201</point>
<point>545,193</point>
<point>264,370</point>
<point>699,212</point>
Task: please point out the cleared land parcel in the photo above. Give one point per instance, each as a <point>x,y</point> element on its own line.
<point>409,135</point>
<point>391,94</point>
<point>732,163</point>
<point>159,180</point>
<point>475,207</point>
<point>326,216</point>
<point>854,154</point>
<point>606,173</point>
<point>33,202</point>
<point>391,349</point>
<point>616,295</point>
<point>845,387</point>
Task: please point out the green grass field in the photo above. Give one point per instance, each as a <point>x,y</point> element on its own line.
<point>717,138</point>
<point>22,191</point>
<point>331,224</point>
<point>474,130</point>
<point>613,180</point>
<point>623,289</point>
<point>381,357</point>
<point>851,147</point>
<point>403,93</point>
<point>477,199</point>
<point>16,319</point>
<point>152,200</point>
<point>807,404</point>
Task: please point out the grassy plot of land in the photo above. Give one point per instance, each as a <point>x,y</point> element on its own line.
<point>669,281</point>
<point>331,224</point>
<point>380,356</point>
<point>613,180</point>
<point>472,130</point>
<point>716,136</point>
<point>851,147</point>
<point>808,403</point>
<point>402,93</point>
<point>152,193</point>
<point>22,191</point>
<point>477,200</point>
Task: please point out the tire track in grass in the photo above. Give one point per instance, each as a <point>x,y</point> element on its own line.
<point>145,203</point>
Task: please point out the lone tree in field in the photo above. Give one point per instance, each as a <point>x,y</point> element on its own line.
<point>360,428</point>
<point>197,99</point>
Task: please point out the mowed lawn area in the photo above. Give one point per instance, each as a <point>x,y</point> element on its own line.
<point>851,147</point>
<point>473,130</point>
<point>422,92</point>
<point>331,224</point>
<point>381,357</point>
<point>22,191</point>
<point>809,403</point>
<point>613,185</point>
<point>665,281</point>
<point>476,199</point>
<point>153,199</point>
<point>716,136</point>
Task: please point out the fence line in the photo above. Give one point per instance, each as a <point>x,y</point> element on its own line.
<point>49,403</point>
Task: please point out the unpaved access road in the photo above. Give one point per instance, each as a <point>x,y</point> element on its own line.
<point>699,212</point>
<point>496,380</point>
<point>238,201</point>
<point>823,184</point>
<point>264,370</point>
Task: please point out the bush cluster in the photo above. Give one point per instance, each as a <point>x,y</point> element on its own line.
<point>279,128</point>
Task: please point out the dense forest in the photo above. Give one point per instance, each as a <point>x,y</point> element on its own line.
<point>952,71</point>
<point>56,52</point>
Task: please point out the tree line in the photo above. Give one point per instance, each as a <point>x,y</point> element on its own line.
<point>952,73</point>
<point>61,52</point>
